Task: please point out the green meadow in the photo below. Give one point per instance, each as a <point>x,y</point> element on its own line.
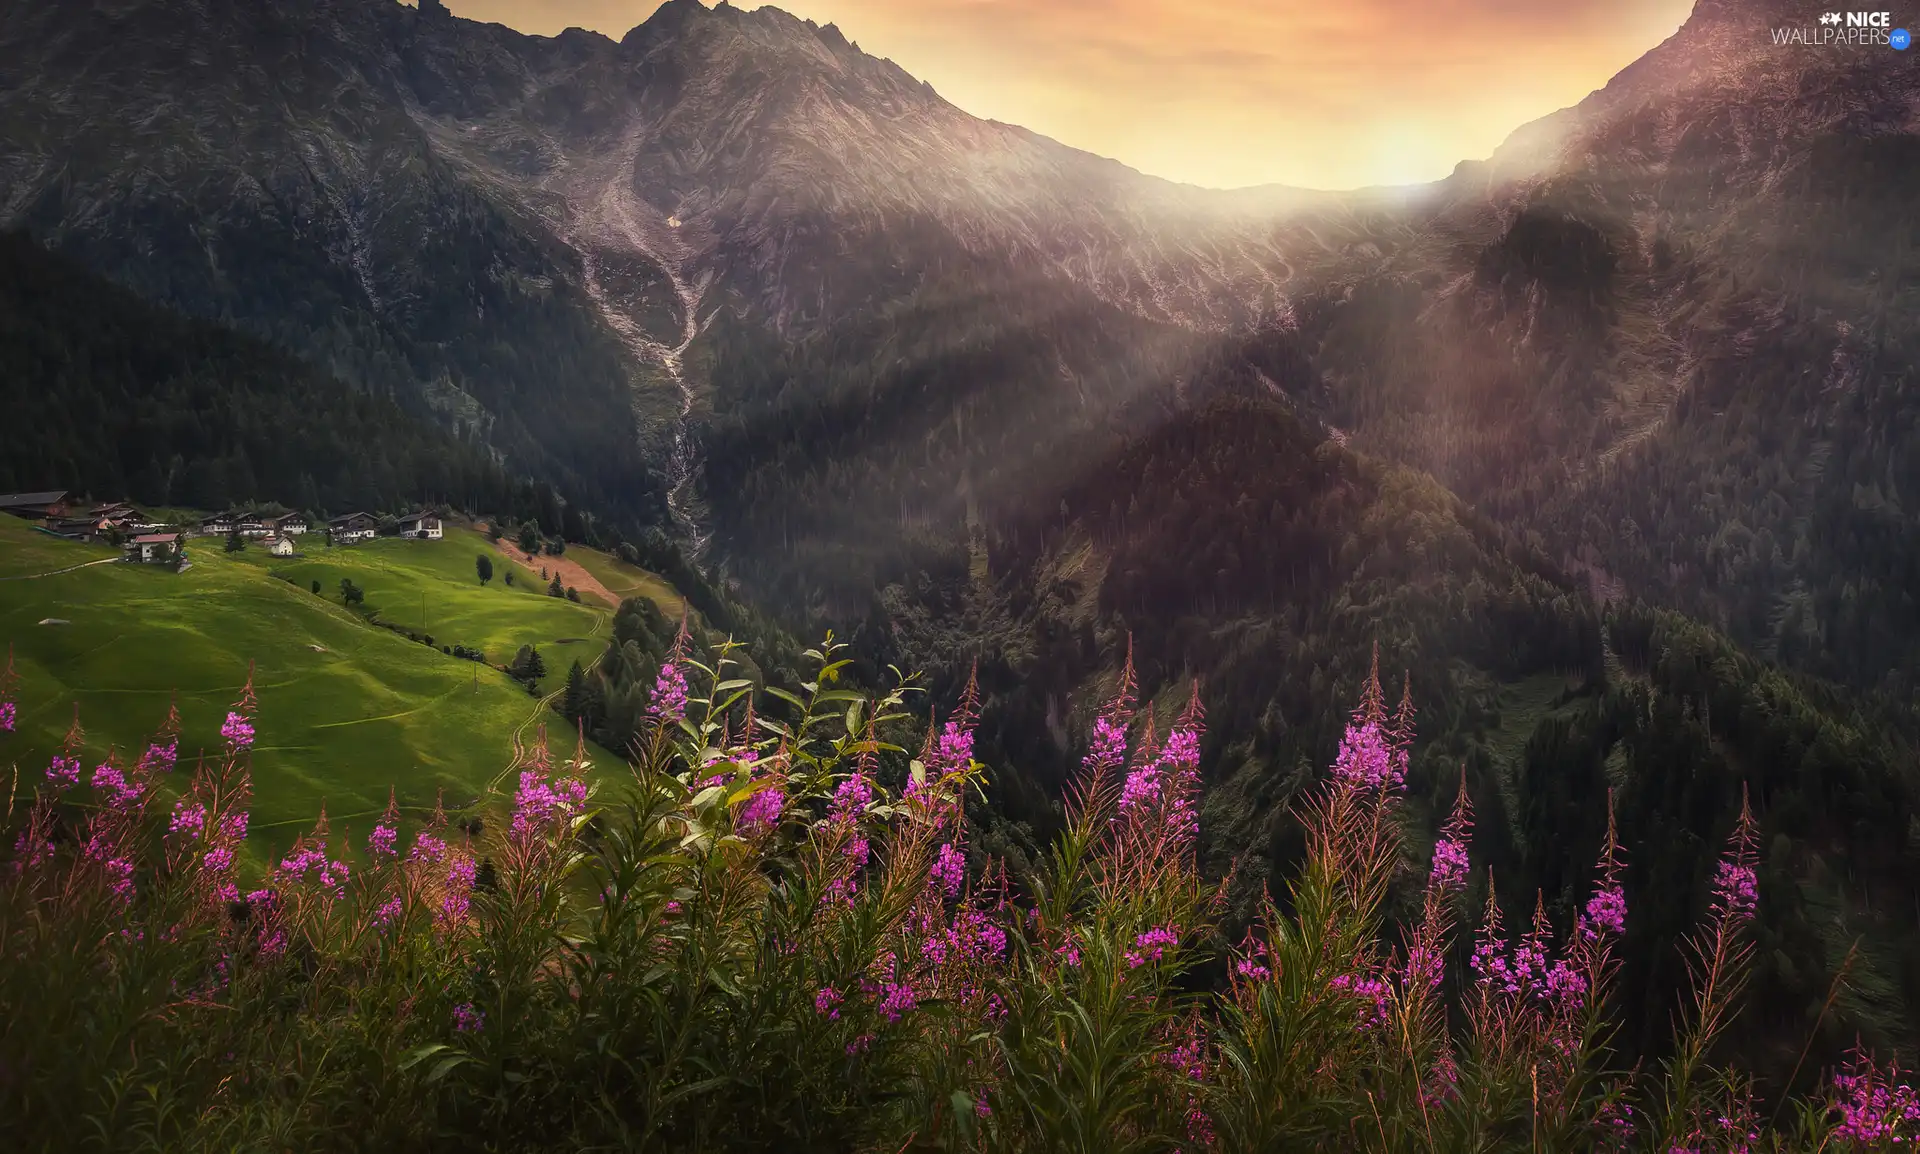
<point>347,708</point>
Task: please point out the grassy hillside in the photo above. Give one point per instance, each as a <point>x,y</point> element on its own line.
<point>346,708</point>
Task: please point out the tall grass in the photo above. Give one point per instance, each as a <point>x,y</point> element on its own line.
<point>752,944</point>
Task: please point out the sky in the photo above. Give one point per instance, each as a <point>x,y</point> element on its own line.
<point>1227,93</point>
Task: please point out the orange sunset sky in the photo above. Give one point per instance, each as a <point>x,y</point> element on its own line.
<point>1319,93</point>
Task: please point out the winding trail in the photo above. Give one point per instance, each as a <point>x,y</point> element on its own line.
<point>522,748</point>
<point>57,572</point>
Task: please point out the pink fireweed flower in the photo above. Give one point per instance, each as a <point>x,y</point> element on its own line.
<point>539,804</point>
<point>1367,760</point>
<point>1371,994</point>
<point>1736,889</point>
<point>120,878</point>
<point>827,1001</point>
<point>233,826</point>
<point>1108,748</point>
<point>1563,989</point>
<point>1606,913</point>
<point>1152,945</point>
<point>218,860</point>
<point>1069,954</point>
<point>1450,865</point>
<point>8,712</point>
<point>952,753</point>
<point>949,870</point>
<point>852,796</point>
<point>237,731</point>
<point>761,812</point>
<point>119,792</point>
<point>63,772</point>
<point>459,891</point>
<point>1876,1109</point>
<point>160,758</point>
<point>387,914</point>
<point>669,703</point>
<point>898,1002</point>
<point>383,841</point>
<point>189,818</point>
<point>467,1019</point>
<point>1425,966</point>
<point>428,848</point>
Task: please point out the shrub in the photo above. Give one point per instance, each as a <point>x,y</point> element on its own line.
<point>749,943</point>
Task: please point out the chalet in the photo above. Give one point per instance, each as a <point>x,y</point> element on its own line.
<point>425,526</point>
<point>289,525</point>
<point>279,546</point>
<point>35,506</point>
<point>76,528</point>
<point>150,548</point>
<point>352,527</point>
<point>218,525</point>
<point>254,527</point>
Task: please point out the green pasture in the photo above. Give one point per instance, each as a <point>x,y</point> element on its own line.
<point>346,708</point>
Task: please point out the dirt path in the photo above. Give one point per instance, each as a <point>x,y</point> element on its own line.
<point>57,572</point>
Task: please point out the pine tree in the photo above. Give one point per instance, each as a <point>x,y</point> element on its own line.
<point>483,565</point>
<point>573,701</point>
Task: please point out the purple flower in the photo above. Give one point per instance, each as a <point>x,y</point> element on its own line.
<point>237,731</point>
<point>428,848</point>
<point>852,796</point>
<point>1152,945</point>
<point>120,878</point>
<point>188,818</point>
<point>120,793</point>
<point>1606,913</point>
<point>8,711</point>
<point>387,914</point>
<point>827,1002</point>
<point>950,870</point>
<point>218,860</point>
<point>160,758</point>
<point>1367,760</point>
<point>1736,889</point>
<point>1251,970</point>
<point>459,892</point>
<point>669,702</point>
<point>233,826</point>
<point>467,1019</point>
<point>1108,749</point>
<point>64,772</point>
<point>1563,988</point>
<point>952,753</point>
<point>540,804</point>
<point>898,1002</point>
<point>1876,1111</point>
<point>762,812</point>
<point>1450,865</point>
<point>1371,993</point>
<point>383,840</point>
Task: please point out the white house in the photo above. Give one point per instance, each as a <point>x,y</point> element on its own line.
<point>425,526</point>
<point>279,546</point>
<point>148,548</point>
